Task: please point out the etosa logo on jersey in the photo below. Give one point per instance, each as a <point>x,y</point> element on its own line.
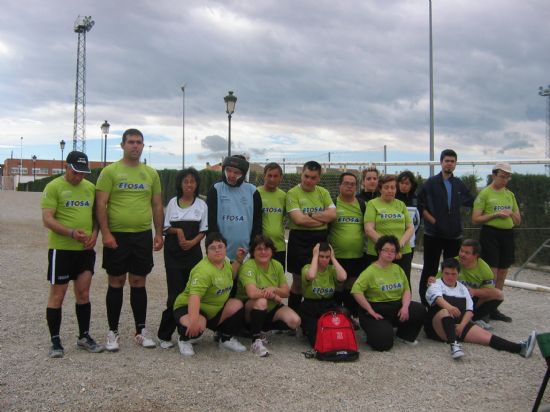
<point>348,219</point>
<point>77,203</point>
<point>499,208</point>
<point>272,209</point>
<point>307,210</point>
<point>391,286</point>
<point>233,218</point>
<point>224,290</point>
<point>131,186</point>
<point>391,215</point>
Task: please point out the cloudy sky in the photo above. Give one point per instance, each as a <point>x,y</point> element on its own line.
<point>311,77</point>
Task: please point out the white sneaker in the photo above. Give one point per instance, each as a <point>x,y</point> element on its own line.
<point>232,345</point>
<point>528,345</point>
<point>456,350</point>
<point>483,325</point>
<point>111,342</point>
<point>186,348</point>
<point>408,342</point>
<point>144,339</point>
<point>258,348</point>
<point>166,344</point>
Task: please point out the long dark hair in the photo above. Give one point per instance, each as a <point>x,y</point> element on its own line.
<point>182,175</point>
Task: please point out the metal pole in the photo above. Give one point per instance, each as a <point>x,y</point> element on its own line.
<point>105,151</point>
<point>21,164</point>
<point>432,143</point>
<point>385,159</point>
<point>183,128</point>
<point>229,137</point>
<point>62,161</point>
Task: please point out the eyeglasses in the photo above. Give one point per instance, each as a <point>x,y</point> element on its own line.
<point>390,251</point>
<point>349,184</point>
<point>505,177</point>
<point>215,248</point>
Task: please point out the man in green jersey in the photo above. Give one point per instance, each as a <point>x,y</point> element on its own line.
<point>347,237</point>
<point>273,210</point>
<point>310,210</point>
<point>67,211</point>
<point>128,197</point>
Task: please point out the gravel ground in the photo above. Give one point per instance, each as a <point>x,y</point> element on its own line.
<point>423,378</point>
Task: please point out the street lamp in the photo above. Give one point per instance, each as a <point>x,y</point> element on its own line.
<point>105,130</point>
<point>150,155</point>
<point>230,101</point>
<point>432,139</point>
<point>183,128</point>
<point>21,163</point>
<point>34,168</point>
<point>62,147</point>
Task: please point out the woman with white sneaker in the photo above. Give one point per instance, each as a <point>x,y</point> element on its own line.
<point>450,317</point>
<point>205,302</point>
<point>262,287</point>
<point>384,296</point>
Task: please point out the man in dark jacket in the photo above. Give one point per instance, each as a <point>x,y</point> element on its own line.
<point>440,200</point>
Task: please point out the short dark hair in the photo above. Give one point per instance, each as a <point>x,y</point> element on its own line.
<point>386,179</point>
<point>131,132</point>
<point>182,175</point>
<point>341,177</point>
<point>214,237</point>
<point>324,247</point>
<point>474,243</point>
<point>447,153</point>
<point>450,263</point>
<point>271,166</point>
<point>313,166</point>
<point>382,240</point>
<point>369,169</point>
<point>262,240</point>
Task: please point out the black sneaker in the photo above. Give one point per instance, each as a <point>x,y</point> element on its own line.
<point>498,315</point>
<point>56,350</point>
<point>87,343</point>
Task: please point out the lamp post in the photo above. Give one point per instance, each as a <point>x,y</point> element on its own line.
<point>21,161</point>
<point>34,168</point>
<point>183,128</point>
<point>150,154</point>
<point>105,130</point>
<point>432,140</point>
<point>62,147</point>
<point>230,101</point>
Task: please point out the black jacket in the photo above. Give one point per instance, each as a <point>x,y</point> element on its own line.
<point>433,198</point>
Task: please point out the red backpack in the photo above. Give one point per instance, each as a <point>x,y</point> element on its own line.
<point>335,340</point>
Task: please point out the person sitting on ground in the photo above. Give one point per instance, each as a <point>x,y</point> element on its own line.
<point>384,296</point>
<point>262,287</point>
<point>205,302</point>
<point>477,276</point>
<point>319,280</point>
<point>450,317</point>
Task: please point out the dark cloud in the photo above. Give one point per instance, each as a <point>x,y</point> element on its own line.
<point>517,141</point>
<point>214,143</point>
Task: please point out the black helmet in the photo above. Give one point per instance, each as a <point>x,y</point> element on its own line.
<point>239,162</point>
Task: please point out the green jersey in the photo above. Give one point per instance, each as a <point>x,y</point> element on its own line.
<point>322,287</point>
<point>308,202</point>
<point>390,218</point>
<point>382,284</point>
<point>273,213</point>
<point>73,205</point>
<point>490,201</point>
<point>211,284</point>
<point>480,276</point>
<point>251,274</point>
<point>346,233</point>
<point>130,192</point>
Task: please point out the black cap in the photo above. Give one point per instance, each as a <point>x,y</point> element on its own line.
<point>78,162</point>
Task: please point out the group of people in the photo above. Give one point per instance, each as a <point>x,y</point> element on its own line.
<point>351,253</point>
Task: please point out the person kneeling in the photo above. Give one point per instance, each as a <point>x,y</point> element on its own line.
<point>205,302</point>
<point>450,317</point>
<point>384,296</point>
<point>262,287</point>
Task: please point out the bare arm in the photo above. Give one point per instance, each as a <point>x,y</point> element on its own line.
<point>314,266</point>
<point>158,220</point>
<point>341,274</point>
<point>407,235</point>
<point>364,303</point>
<point>301,219</point>
<point>370,231</point>
<point>101,199</point>
<point>193,308</point>
<point>236,265</point>
<point>326,216</point>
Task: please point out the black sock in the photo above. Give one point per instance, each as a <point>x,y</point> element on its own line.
<point>481,311</point>
<point>294,301</point>
<point>53,317</point>
<point>113,301</point>
<point>83,313</point>
<point>499,343</point>
<point>449,328</point>
<point>257,322</point>
<point>138,301</point>
<point>231,325</point>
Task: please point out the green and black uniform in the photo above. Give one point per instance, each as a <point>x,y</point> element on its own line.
<point>273,214</point>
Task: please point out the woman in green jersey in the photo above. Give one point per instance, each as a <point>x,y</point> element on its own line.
<point>384,296</point>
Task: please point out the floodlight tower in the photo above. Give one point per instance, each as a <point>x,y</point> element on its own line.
<point>82,25</point>
<point>546,93</point>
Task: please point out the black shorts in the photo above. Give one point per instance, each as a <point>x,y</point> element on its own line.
<point>300,248</point>
<point>497,246</point>
<point>134,254</point>
<point>66,265</point>
<point>281,258</point>
<point>354,267</point>
<point>211,324</point>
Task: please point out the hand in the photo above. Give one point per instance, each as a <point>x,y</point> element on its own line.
<point>109,241</point>
<point>315,251</point>
<point>241,253</point>
<point>431,280</point>
<point>187,244</point>
<point>158,242</point>
<point>180,235</point>
<point>403,314</point>
<point>458,329</point>
<point>454,311</point>
<point>376,315</point>
<point>90,244</point>
<point>398,256</point>
<point>194,329</point>
<point>503,214</point>
<point>332,257</point>
<point>269,293</point>
<point>80,236</point>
